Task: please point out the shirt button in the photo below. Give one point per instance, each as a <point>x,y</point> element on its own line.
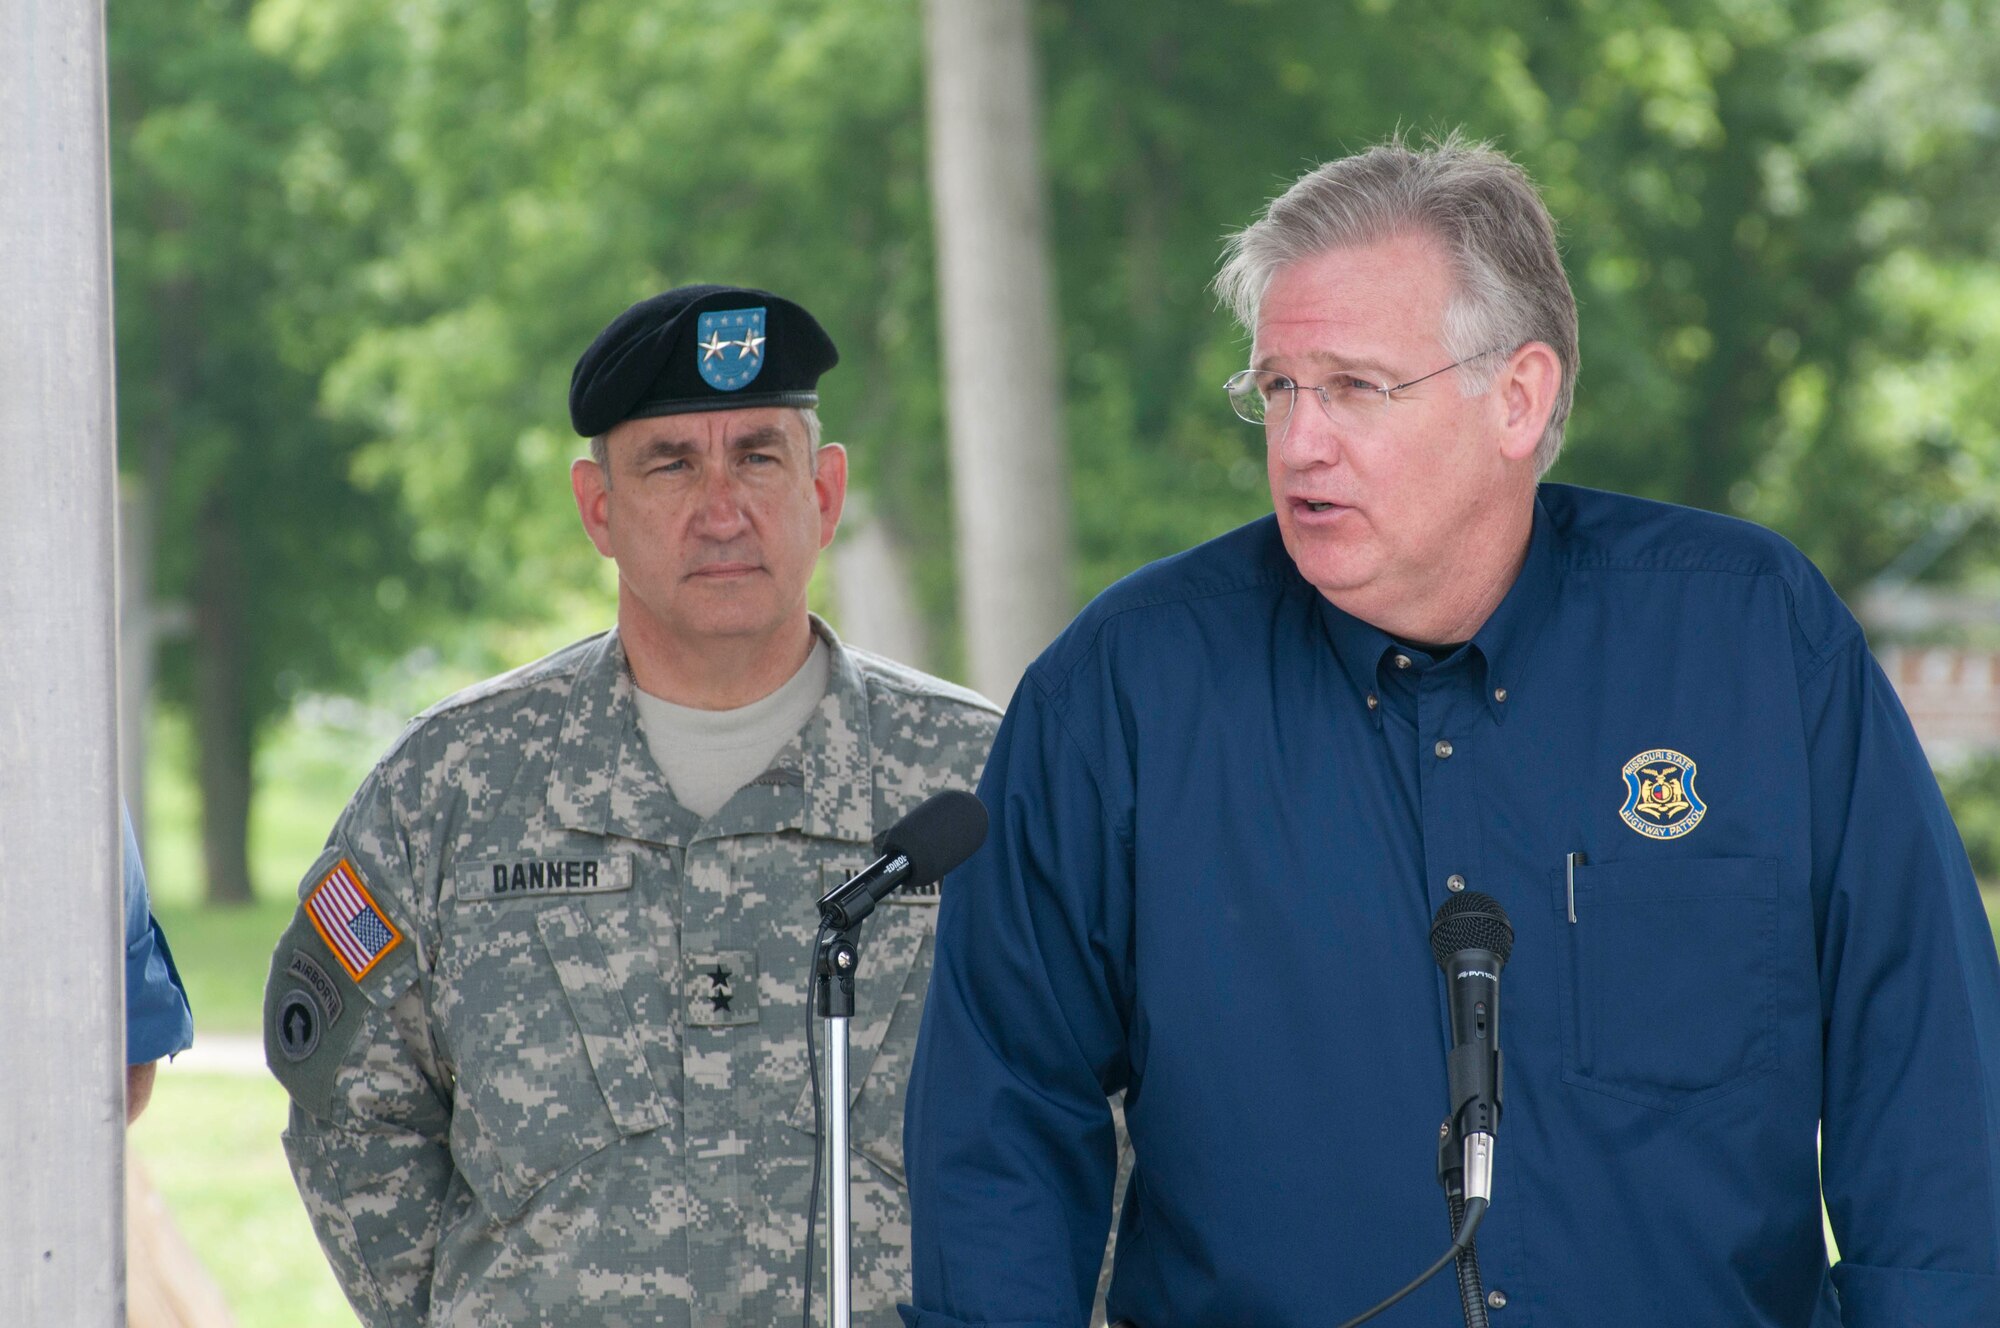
<point>1497,1299</point>
<point>1402,661</point>
<point>1454,882</point>
<point>1443,749</point>
<point>1372,702</point>
<point>1499,693</point>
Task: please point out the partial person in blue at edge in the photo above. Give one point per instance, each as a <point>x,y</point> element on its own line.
<point>1228,799</point>
<point>158,1021</point>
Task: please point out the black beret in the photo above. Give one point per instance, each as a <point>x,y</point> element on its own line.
<point>699,348</point>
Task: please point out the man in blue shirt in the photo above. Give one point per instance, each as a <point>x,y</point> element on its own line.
<point>157,1019</point>
<point>1750,964</point>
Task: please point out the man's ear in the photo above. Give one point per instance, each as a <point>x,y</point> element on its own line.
<point>588,482</point>
<point>829,488</point>
<point>1525,393</point>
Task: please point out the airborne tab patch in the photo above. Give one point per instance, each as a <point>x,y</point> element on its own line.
<point>346,917</point>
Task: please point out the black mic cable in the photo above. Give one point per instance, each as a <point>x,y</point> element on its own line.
<point>1475,1209</point>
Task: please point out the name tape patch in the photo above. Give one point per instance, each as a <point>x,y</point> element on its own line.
<point>910,893</point>
<point>544,876</point>
<point>347,918</point>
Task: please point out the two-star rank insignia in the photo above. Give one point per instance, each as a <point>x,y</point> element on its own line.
<point>719,990</point>
<point>729,362</point>
<point>1660,801</point>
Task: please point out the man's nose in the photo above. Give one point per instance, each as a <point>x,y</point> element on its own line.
<point>721,502</point>
<point>1310,437</point>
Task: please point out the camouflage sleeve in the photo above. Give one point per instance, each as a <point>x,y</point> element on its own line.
<point>346,1033</point>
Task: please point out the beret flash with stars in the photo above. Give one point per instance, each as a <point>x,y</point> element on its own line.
<point>699,348</point>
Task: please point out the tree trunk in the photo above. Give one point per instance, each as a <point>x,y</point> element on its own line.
<point>871,588</point>
<point>221,706</point>
<point>1010,492</point>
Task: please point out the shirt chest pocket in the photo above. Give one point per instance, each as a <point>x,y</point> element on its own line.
<point>550,1064</point>
<point>1669,978</point>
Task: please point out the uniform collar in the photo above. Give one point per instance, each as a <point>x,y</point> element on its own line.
<point>604,780</point>
<point>836,751</point>
<point>1496,650</point>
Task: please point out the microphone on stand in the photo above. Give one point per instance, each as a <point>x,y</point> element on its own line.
<point>944,830</point>
<point>1471,939</point>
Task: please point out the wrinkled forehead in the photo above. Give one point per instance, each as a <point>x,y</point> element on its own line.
<point>1348,303</point>
<point>706,430</point>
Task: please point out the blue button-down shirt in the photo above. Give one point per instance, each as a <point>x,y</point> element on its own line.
<point>1224,813</point>
<point>158,1021</point>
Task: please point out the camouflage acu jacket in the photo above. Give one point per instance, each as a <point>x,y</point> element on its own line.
<point>545,1031</point>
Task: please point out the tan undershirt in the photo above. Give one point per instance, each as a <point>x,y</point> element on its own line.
<point>707,755</point>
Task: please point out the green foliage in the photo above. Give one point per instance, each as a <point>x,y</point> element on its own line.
<point>217,273</point>
<point>1776,216</point>
<point>1973,793</point>
<point>528,171</point>
<point>1766,222</point>
<point>360,247</point>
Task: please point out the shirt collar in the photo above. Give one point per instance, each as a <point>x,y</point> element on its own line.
<point>1498,647</point>
<point>1507,638</point>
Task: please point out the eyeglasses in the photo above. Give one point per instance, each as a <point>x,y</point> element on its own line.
<point>1263,396</point>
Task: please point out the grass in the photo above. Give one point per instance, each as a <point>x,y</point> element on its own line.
<point>210,1144</point>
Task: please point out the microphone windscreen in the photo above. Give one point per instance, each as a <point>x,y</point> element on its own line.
<point>944,830</point>
<point>1471,921</point>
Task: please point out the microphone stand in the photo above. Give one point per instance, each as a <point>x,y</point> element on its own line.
<point>833,1000</point>
<point>1451,1175</point>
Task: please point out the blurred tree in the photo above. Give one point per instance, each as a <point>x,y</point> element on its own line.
<point>1748,189</point>
<point>361,249</point>
<point>295,575</point>
<point>1009,468</point>
<point>1774,215</point>
<point>542,166</point>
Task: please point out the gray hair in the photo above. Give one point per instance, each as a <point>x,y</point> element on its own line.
<point>600,446</point>
<point>1475,201</point>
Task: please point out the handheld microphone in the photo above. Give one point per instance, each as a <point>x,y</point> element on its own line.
<point>1471,938</point>
<point>944,830</point>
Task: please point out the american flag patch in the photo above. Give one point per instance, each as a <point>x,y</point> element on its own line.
<point>346,917</point>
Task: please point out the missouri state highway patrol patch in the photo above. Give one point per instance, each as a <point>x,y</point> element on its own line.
<point>347,919</point>
<point>1660,801</point>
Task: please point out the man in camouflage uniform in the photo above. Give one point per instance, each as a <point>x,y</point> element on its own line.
<point>543,1025</point>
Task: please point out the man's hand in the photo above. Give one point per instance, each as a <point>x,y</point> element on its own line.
<point>138,1088</point>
